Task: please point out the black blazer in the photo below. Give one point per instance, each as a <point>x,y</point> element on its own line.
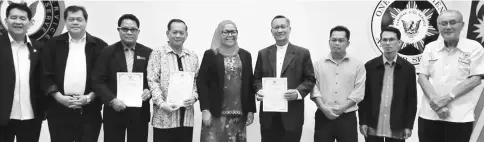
<point>298,68</point>
<point>404,102</point>
<point>110,62</point>
<point>54,58</point>
<point>210,82</point>
<point>7,79</point>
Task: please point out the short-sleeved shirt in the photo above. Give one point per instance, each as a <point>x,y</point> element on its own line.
<point>446,69</point>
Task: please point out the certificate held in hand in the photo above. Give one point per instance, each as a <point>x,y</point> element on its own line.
<point>274,89</point>
<point>130,88</point>
<point>180,88</point>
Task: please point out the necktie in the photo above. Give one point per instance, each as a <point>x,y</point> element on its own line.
<point>129,58</point>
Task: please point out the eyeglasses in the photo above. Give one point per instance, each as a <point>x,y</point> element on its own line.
<point>340,40</point>
<point>125,29</point>
<point>451,23</point>
<point>229,32</point>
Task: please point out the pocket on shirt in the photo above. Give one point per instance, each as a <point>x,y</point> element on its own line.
<point>464,65</point>
<point>431,65</point>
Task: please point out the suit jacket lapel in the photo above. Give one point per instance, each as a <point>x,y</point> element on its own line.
<point>288,58</point>
<point>219,61</point>
<point>7,53</point>
<point>273,58</point>
<point>120,57</point>
<point>136,61</point>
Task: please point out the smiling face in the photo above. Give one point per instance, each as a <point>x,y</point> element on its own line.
<point>128,31</point>
<point>280,30</point>
<point>75,22</point>
<point>450,25</point>
<point>229,35</point>
<point>177,34</point>
<point>18,22</point>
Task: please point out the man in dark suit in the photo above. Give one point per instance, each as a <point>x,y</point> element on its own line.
<point>123,56</point>
<point>388,110</point>
<point>21,97</point>
<point>68,61</point>
<point>287,61</point>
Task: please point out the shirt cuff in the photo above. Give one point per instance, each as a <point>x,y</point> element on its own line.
<point>299,97</point>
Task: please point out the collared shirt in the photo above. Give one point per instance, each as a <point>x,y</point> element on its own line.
<point>129,54</point>
<point>280,55</point>
<point>21,107</point>
<point>446,69</point>
<point>338,82</point>
<point>163,61</point>
<point>76,72</point>
<point>383,127</point>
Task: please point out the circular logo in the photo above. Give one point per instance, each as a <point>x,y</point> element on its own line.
<point>47,17</point>
<point>416,20</point>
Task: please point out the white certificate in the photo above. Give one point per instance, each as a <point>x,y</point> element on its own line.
<point>274,89</point>
<point>180,87</point>
<point>130,88</point>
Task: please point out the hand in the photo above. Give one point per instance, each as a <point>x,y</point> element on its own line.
<point>440,102</point>
<point>260,95</point>
<point>190,101</point>
<point>250,118</point>
<point>206,118</point>
<point>118,105</point>
<point>64,100</point>
<point>328,113</point>
<point>291,94</point>
<point>443,113</point>
<point>364,130</point>
<point>407,134</point>
<point>146,95</point>
<point>79,100</point>
<point>338,110</point>
<point>170,108</point>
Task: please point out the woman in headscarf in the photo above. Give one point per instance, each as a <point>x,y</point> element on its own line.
<point>225,88</point>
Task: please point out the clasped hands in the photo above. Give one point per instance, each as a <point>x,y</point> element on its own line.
<point>73,100</point>
<point>439,105</point>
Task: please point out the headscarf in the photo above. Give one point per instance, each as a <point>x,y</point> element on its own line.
<point>217,45</point>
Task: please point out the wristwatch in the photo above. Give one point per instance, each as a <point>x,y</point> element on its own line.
<point>452,95</point>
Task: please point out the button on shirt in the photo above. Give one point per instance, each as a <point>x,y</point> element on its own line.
<point>21,107</point>
<point>383,127</point>
<point>338,82</point>
<point>75,73</point>
<point>446,69</point>
<point>280,55</point>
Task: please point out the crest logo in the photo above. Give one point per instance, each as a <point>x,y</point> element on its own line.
<point>47,17</point>
<point>416,20</point>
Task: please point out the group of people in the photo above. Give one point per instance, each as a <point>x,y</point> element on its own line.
<point>68,79</point>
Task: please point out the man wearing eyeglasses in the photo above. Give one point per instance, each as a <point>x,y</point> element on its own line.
<point>125,56</point>
<point>388,110</point>
<point>284,60</point>
<point>340,86</point>
<point>68,61</point>
<point>450,76</point>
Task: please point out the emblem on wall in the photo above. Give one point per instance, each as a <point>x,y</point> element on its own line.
<point>47,16</point>
<point>416,20</point>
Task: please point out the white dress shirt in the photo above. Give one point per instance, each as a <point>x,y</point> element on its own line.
<point>280,55</point>
<point>75,73</point>
<point>21,107</point>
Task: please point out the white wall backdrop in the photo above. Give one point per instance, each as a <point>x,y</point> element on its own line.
<point>310,21</point>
